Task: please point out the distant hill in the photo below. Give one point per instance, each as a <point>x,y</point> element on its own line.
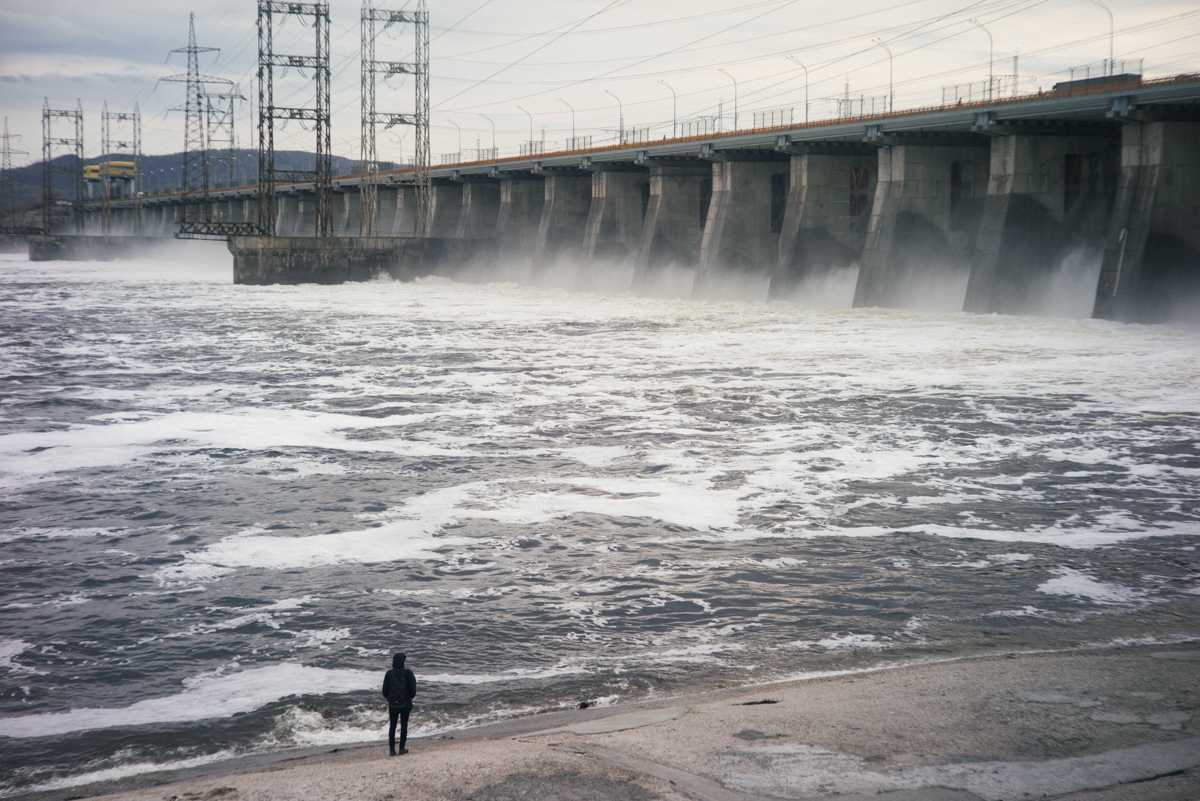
<point>163,173</point>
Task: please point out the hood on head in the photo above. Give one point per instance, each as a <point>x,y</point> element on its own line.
<point>398,661</point>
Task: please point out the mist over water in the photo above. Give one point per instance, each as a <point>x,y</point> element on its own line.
<point>226,506</point>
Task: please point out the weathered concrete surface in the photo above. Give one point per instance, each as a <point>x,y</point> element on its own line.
<point>1106,725</point>
<point>614,223</point>
<point>336,260</point>
<point>1027,227</point>
<point>741,234</point>
<point>564,218</point>
<point>522,199</point>
<point>480,209</point>
<point>1151,267</point>
<point>680,196</point>
<point>445,208</point>
<point>817,233</point>
<point>94,248</point>
<point>921,235</point>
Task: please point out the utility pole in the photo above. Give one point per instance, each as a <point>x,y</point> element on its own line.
<point>317,114</point>
<point>132,144</point>
<point>8,192</point>
<point>195,184</point>
<point>372,68</point>
<point>48,170</point>
<point>219,114</point>
<point>530,153</point>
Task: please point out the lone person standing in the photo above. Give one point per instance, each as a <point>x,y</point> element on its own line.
<point>399,687</point>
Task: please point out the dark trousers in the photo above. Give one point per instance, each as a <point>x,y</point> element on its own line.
<point>402,714</point>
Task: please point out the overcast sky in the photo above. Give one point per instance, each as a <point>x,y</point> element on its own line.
<point>497,57</point>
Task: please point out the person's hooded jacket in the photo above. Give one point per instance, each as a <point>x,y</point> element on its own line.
<point>400,673</point>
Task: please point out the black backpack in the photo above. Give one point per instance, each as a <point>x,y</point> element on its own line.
<point>398,694</point>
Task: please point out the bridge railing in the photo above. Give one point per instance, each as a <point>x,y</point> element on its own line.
<point>978,105</point>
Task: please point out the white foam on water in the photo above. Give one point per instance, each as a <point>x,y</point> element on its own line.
<point>120,772</point>
<point>214,695</point>
<point>10,650</point>
<point>121,441</point>
<point>1073,583</point>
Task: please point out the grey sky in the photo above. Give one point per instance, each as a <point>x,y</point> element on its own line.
<point>537,53</point>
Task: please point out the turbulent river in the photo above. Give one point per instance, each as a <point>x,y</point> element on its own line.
<point>224,507</point>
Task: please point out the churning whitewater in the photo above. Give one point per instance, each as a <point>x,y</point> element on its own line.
<point>226,506</point>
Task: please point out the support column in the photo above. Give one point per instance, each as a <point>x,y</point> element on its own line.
<point>620,196</point>
<point>928,201</point>
<point>680,192</point>
<point>522,198</point>
<point>1151,266</point>
<point>564,218</point>
<point>305,216</point>
<point>480,208</point>
<point>1046,195</point>
<point>828,209</point>
<point>445,207</point>
<point>741,234</point>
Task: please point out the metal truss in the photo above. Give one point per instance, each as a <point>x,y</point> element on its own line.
<point>196,207</point>
<point>131,143</point>
<point>268,112</point>
<point>419,117</point>
<point>219,130</point>
<point>48,168</point>
<point>8,192</point>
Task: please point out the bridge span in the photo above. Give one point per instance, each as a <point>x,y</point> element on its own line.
<point>994,195</point>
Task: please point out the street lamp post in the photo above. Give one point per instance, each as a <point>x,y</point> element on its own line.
<point>568,105</point>
<point>991,58</point>
<point>730,77</point>
<point>674,106</point>
<point>455,124</point>
<point>489,119</point>
<point>891,73</point>
<point>620,118</point>
<point>1110,35</point>
<point>793,58</point>
<point>530,153</point>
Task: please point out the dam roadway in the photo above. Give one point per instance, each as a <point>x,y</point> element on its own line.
<point>996,194</point>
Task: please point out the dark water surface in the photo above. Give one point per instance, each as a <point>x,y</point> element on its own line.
<point>224,507</point>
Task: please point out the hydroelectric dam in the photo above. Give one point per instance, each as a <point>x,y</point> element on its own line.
<point>994,194</point>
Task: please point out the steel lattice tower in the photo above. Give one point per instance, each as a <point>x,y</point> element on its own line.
<point>219,129</point>
<point>196,207</point>
<point>268,112</point>
<point>419,118</point>
<point>131,144</point>
<point>48,143</point>
<point>8,192</point>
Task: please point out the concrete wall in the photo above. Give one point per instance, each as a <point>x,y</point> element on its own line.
<point>919,242</point>
<point>614,224</point>
<point>674,222</point>
<point>445,208</point>
<point>1151,263</point>
<point>817,233</point>
<point>480,209</point>
<point>564,218</point>
<point>325,260</point>
<point>1025,230</point>
<point>521,202</point>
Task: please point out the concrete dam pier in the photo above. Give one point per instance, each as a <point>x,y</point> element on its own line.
<point>982,203</point>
